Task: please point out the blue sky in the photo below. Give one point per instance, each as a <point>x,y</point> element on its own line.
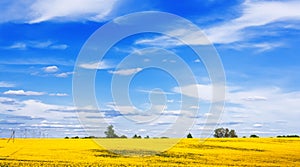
<point>257,41</point>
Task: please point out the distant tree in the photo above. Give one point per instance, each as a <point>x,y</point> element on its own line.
<point>76,137</point>
<point>90,137</point>
<point>123,136</point>
<point>290,136</point>
<point>254,136</point>
<point>136,136</point>
<point>147,137</point>
<point>164,137</point>
<point>232,134</point>
<point>66,137</point>
<point>219,133</point>
<point>296,136</point>
<point>189,135</point>
<point>244,136</point>
<point>110,132</point>
<point>225,133</point>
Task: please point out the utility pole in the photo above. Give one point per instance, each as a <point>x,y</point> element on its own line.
<point>12,136</point>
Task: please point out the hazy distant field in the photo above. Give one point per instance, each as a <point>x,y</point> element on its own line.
<point>191,152</point>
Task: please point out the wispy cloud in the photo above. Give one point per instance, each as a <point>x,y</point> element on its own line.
<point>187,33</point>
<point>37,45</point>
<point>200,91</point>
<point>96,65</point>
<point>126,71</point>
<point>154,91</point>
<point>260,47</point>
<point>37,11</point>
<point>6,84</point>
<point>23,93</point>
<point>18,45</point>
<point>47,61</point>
<point>255,98</point>
<point>254,14</point>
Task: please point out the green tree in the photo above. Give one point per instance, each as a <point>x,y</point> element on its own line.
<point>254,136</point>
<point>232,134</point>
<point>226,133</point>
<point>189,135</point>
<point>136,136</point>
<point>123,136</point>
<point>219,133</point>
<point>110,132</point>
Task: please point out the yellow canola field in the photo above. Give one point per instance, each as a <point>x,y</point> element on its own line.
<point>188,152</point>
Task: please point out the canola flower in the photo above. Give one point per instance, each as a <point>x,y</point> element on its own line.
<point>188,152</point>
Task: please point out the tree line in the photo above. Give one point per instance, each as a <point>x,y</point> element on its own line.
<point>218,133</point>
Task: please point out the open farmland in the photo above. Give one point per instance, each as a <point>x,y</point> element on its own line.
<point>191,152</point>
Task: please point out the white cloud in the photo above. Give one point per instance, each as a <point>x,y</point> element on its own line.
<point>257,125</point>
<point>96,65</point>
<point>36,11</point>
<point>255,98</point>
<point>267,101</point>
<point>51,69</point>
<point>40,44</point>
<point>203,92</point>
<point>58,94</point>
<point>64,74</point>
<point>266,105</point>
<point>126,71</point>
<point>207,114</point>
<point>59,47</point>
<point>170,101</point>
<point>23,93</point>
<point>194,107</point>
<point>18,45</point>
<point>36,109</point>
<point>242,96</point>
<point>254,14</point>
<point>262,107</point>
<point>6,85</point>
<point>197,61</point>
